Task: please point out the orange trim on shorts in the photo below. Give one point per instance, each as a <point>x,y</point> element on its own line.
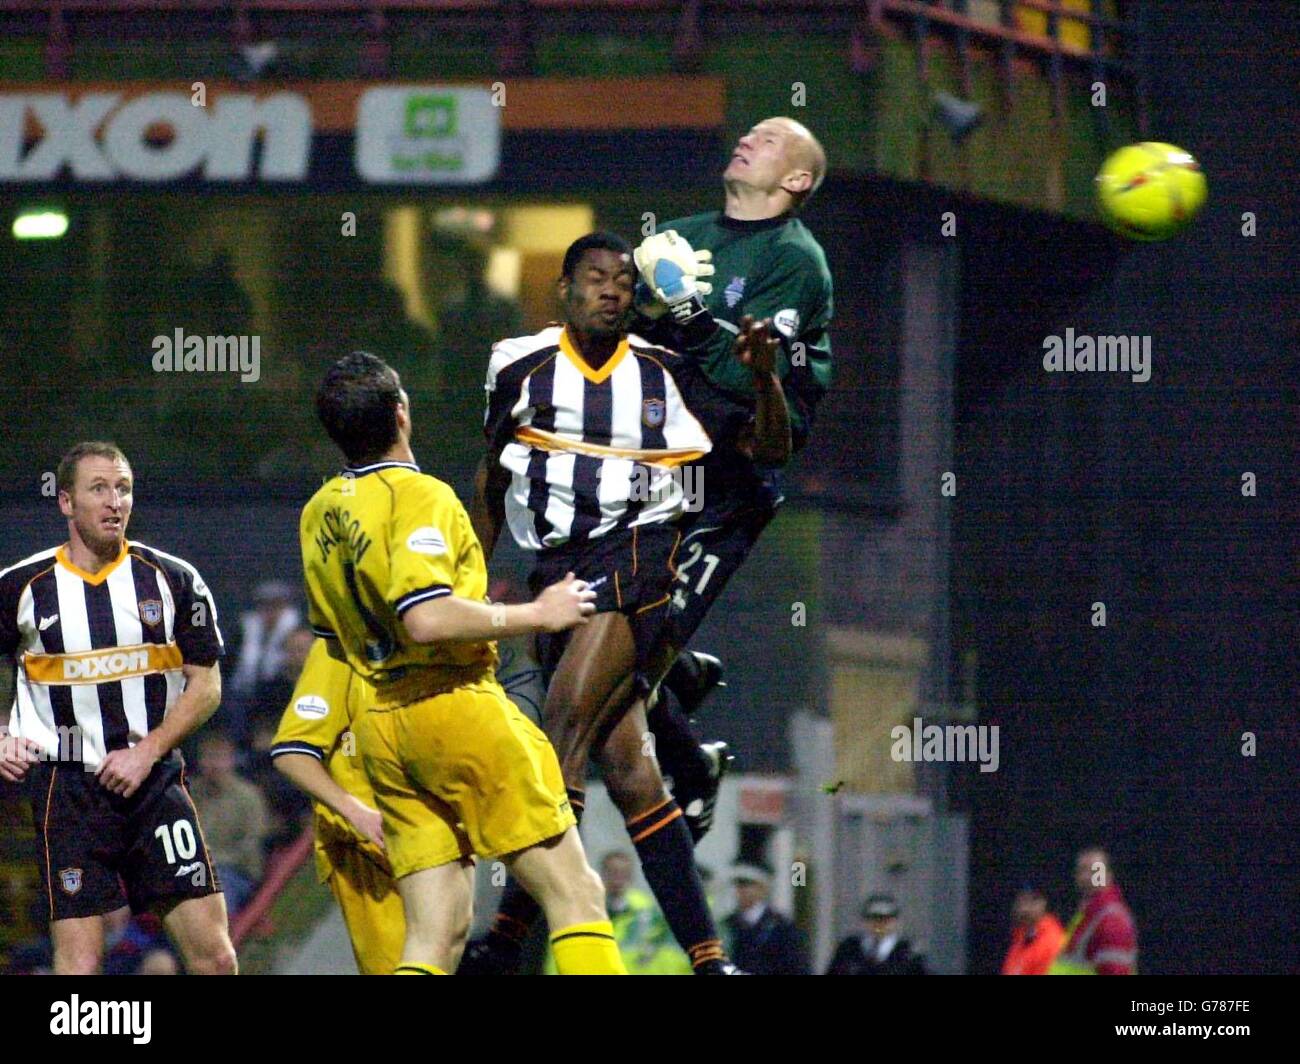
<point>654,605</point>
<point>45,830</point>
<point>635,530</point>
<point>618,592</point>
<point>672,555</point>
<point>212,872</point>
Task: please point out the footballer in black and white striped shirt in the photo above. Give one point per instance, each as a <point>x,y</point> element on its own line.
<point>588,427</point>
<point>116,648</point>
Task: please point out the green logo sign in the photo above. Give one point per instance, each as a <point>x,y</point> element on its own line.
<point>427,135</point>
<point>430,116</point>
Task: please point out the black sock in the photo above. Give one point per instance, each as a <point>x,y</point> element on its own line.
<point>668,862</point>
<point>516,914</point>
<point>517,911</point>
<point>676,745</point>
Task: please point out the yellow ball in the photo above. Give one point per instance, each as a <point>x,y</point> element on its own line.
<point>1149,191</point>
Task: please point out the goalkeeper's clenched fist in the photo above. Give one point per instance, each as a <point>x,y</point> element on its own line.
<point>670,276</point>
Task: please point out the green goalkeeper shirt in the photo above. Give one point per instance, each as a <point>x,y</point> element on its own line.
<point>772,268</point>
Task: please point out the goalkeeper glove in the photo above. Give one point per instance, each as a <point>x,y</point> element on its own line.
<point>670,277</point>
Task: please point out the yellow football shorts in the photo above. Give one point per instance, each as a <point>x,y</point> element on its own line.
<point>372,908</point>
<point>460,773</point>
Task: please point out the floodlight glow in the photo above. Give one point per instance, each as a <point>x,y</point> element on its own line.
<point>40,225</point>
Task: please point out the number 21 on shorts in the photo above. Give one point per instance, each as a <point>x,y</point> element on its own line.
<point>710,563</point>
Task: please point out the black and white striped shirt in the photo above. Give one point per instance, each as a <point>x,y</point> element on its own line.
<point>590,450</point>
<point>99,655</point>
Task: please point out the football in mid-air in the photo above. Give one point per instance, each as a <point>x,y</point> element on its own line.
<point>1150,191</point>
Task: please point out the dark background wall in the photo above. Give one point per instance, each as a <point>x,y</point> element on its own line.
<point>1082,489</point>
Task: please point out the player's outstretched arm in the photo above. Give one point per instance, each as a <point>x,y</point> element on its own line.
<point>451,619</point>
<point>756,348</point>
<point>487,513</point>
<point>309,775</point>
<point>122,771</point>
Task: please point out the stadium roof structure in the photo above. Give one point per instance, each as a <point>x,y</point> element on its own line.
<point>1091,34</point>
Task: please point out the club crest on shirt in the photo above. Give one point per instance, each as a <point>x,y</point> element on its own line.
<point>70,880</point>
<point>652,413</point>
<point>151,611</point>
<point>734,290</point>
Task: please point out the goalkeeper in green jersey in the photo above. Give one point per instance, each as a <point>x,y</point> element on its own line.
<point>761,262</point>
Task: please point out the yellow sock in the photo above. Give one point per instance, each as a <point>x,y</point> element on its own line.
<point>414,968</point>
<point>587,949</point>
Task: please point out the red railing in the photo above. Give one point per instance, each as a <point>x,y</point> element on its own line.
<point>1112,51</point>
<point>281,867</point>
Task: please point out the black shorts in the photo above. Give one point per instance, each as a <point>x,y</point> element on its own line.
<point>632,572</point>
<point>716,540</point>
<point>99,851</point>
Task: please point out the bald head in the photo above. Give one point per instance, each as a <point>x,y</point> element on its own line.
<point>804,152</point>
<point>778,161</point>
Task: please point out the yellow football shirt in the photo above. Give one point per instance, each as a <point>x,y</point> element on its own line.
<point>319,720</point>
<point>377,540</point>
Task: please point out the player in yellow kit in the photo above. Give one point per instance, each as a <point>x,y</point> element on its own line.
<point>396,586</point>
<point>315,747</point>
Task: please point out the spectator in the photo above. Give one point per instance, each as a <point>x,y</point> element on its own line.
<point>272,693</point>
<point>158,962</point>
<point>235,817</point>
<point>469,323</point>
<point>763,941</point>
<point>706,877</point>
<point>877,949</point>
<point>289,809</point>
<point>130,938</point>
<point>646,944</point>
<point>215,302</point>
<point>264,631</point>
<point>1036,936</point>
<point>1102,937</point>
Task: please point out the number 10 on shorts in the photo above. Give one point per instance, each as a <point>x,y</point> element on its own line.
<point>177,840</point>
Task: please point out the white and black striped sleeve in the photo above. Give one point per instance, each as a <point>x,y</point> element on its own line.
<point>12,583</point>
<point>508,370</point>
<point>196,632</point>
